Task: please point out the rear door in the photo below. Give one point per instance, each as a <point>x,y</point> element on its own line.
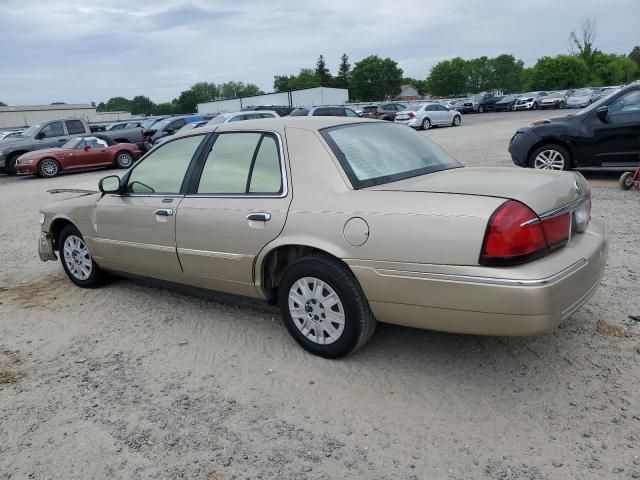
<point>136,230</point>
<point>236,204</point>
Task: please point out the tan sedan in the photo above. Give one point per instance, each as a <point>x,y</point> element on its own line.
<point>341,222</point>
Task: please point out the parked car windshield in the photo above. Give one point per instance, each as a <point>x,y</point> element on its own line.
<point>378,153</point>
<point>31,130</point>
<point>557,94</point>
<point>583,92</point>
<point>162,124</point>
<point>217,120</point>
<point>148,123</point>
<point>414,107</point>
<point>73,143</point>
<point>299,112</point>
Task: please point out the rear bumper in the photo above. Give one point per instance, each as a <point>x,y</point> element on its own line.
<point>502,304</point>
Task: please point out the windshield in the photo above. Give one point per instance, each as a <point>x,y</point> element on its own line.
<point>299,112</point>
<point>594,105</point>
<point>149,123</point>
<point>31,131</point>
<point>583,92</point>
<point>161,124</point>
<point>378,153</point>
<point>415,107</point>
<point>557,94</point>
<point>73,143</point>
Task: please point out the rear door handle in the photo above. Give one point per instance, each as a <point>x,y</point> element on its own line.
<point>259,216</point>
<point>164,212</point>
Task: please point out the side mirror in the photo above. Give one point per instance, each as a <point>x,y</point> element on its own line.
<point>39,136</point>
<point>87,148</point>
<point>110,184</point>
<point>603,114</point>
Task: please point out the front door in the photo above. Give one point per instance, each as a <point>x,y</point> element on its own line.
<point>136,230</point>
<point>54,135</point>
<point>90,152</point>
<point>617,141</point>
<point>235,206</point>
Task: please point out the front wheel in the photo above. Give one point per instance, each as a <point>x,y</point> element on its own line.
<point>324,308</point>
<point>76,259</point>
<point>626,181</point>
<point>550,157</point>
<point>456,121</point>
<point>124,159</point>
<point>534,106</point>
<point>426,124</point>
<point>48,168</point>
<point>148,144</point>
<point>480,109</point>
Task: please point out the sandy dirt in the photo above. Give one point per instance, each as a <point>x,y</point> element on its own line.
<point>134,381</point>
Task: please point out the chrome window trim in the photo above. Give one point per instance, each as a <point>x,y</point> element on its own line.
<point>568,208</point>
<point>283,172</point>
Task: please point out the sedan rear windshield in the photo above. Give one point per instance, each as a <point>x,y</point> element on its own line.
<point>377,153</point>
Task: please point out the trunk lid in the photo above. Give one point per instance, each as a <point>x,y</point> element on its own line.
<point>541,190</point>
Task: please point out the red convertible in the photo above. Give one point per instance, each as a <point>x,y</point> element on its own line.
<point>79,153</point>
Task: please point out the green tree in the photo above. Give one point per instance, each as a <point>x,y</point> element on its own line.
<point>198,93</point>
<point>322,72</point>
<point>507,73</point>
<point>141,105</point>
<point>238,89</point>
<point>101,107</point>
<point>421,85</point>
<point>448,77</point>
<point>344,73</point>
<point>2,104</point>
<point>58,103</point>
<point>374,78</point>
<point>559,72</point>
<point>635,55</point>
<point>307,78</point>
<point>612,69</point>
<point>118,104</point>
<point>168,108</point>
<point>479,75</point>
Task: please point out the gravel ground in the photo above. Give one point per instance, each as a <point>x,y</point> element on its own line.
<point>137,381</point>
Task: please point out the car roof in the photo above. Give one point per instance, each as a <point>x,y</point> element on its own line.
<point>280,123</point>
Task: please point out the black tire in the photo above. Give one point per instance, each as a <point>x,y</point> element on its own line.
<point>626,181</point>
<point>551,146</point>
<point>426,124</point>
<point>480,109</point>
<point>148,144</point>
<point>48,168</point>
<point>96,276</point>
<point>534,106</point>
<point>359,323</point>
<point>457,120</point>
<point>120,159</point>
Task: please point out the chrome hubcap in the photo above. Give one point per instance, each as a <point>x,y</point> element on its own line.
<point>124,159</point>
<point>77,258</point>
<point>49,168</point>
<point>426,124</point>
<point>316,310</point>
<point>549,160</point>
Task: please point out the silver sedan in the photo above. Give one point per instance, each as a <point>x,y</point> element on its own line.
<point>427,115</point>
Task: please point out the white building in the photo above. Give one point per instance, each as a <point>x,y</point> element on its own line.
<point>25,115</point>
<point>308,97</point>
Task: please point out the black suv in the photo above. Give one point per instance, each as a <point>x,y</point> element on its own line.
<point>604,135</point>
<point>483,102</point>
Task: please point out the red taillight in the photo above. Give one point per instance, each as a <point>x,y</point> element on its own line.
<point>516,235</point>
<point>411,114</point>
<point>556,230</point>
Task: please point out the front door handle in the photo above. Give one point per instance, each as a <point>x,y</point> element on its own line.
<point>259,216</point>
<point>164,212</point>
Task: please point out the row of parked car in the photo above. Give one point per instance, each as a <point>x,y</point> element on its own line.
<point>490,102</point>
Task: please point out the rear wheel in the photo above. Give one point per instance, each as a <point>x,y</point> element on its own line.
<point>534,106</point>
<point>550,157</point>
<point>456,121</point>
<point>76,259</point>
<point>426,124</point>
<point>124,159</point>
<point>324,308</point>
<point>481,109</point>
<point>626,181</point>
<point>48,168</point>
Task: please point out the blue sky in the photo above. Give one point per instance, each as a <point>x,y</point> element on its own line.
<point>85,51</point>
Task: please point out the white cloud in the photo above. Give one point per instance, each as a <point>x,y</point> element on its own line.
<point>59,51</point>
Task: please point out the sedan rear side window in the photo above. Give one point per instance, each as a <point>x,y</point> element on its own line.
<point>242,163</point>
<point>375,153</point>
<point>75,127</point>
